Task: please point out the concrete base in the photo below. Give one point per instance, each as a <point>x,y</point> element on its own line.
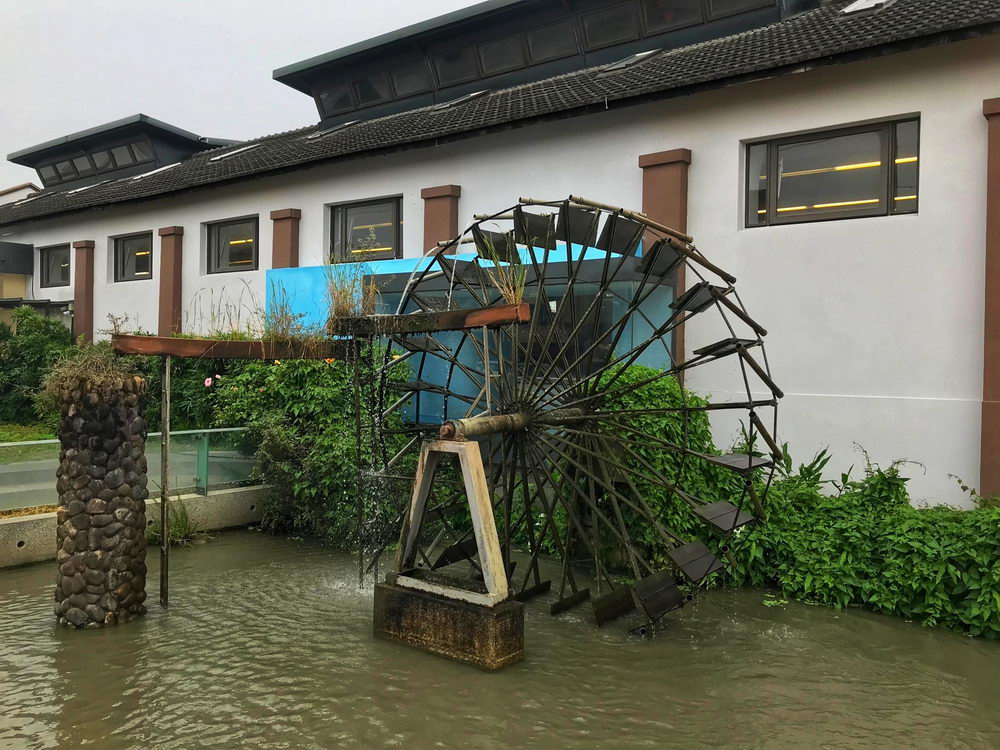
<point>29,539</point>
<point>490,638</point>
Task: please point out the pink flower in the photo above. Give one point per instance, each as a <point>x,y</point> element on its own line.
<point>208,382</point>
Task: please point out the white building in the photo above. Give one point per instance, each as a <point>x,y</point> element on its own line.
<point>875,263</point>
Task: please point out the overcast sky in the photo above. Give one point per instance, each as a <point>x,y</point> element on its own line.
<point>202,65</point>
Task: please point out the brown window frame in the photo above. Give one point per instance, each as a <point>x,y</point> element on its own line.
<point>886,205</point>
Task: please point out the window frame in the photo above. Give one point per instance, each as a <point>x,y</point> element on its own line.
<point>119,273</point>
<point>338,227</point>
<point>44,282</point>
<point>887,186</point>
<point>212,237</point>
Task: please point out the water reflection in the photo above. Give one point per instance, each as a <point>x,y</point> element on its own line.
<point>268,643</point>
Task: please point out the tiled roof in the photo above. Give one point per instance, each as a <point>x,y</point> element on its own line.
<point>816,37</point>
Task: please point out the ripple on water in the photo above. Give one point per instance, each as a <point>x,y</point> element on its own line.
<point>267,644</point>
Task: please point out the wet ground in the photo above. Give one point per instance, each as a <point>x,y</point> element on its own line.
<point>267,644</point>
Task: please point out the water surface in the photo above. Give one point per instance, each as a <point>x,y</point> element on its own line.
<point>267,644</point>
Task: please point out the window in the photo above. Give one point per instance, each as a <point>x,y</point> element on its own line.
<point>456,67</point>
<point>869,170</point>
<point>663,15</point>
<point>728,7</point>
<point>66,170</point>
<point>336,98</point>
<point>364,231</point>
<point>501,55</point>
<point>552,42</point>
<point>142,151</point>
<point>102,160</point>
<point>232,245</point>
<point>411,79</point>
<point>372,89</point>
<point>83,165</point>
<point>134,257</point>
<point>611,26</point>
<point>48,174</point>
<point>55,265</point>
<point>122,156</point>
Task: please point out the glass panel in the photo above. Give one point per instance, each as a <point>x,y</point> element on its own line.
<point>142,151</point>
<point>135,257</point>
<point>411,79</point>
<point>366,232</point>
<point>502,55</point>
<point>83,165</point>
<point>456,67</point>
<point>662,15</point>
<point>756,199</point>
<point>102,160</point>
<point>28,472</point>
<point>726,7</point>
<point>55,266</point>
<point>373,89</point>
<point>230,459</point>
<point>336,99</point>
<point>234,246</point>
<point>48,173</point>
<point>552,42</point>
<point>66,170</point>
<point>831,176</point>
<point>907,165</point>
<point>122,156</point>
<point>609,27</point>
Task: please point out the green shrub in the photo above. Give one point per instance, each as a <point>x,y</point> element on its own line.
<point>26,353</point>
<point>867,546</point>
<point>302,414</point>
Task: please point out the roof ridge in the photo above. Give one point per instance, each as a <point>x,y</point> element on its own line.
<point>809,39</point>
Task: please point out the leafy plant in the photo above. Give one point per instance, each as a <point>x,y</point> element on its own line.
<point>183,531</point>
<point>27,351</point>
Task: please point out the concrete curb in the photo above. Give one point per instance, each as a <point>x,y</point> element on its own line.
<point>29,539</point>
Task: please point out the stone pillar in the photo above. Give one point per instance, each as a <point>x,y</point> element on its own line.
<point>171,265</point>
<point>83,290</point>
<point>440,214</point>
<point>101,480</point>
<point>285,238</point>
<point>664,199</point>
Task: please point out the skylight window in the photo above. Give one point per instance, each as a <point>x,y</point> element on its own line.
<point>241,150</point>
<point>87,187</point>
<point>327,131</point>
<point>631,60</point>
<point>860,5</point>
<point>461,99</point>
<point>154,171</point>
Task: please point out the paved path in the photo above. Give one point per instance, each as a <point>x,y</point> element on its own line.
<point>30,483</point>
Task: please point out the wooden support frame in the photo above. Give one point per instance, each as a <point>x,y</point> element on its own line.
<point>483,524</point>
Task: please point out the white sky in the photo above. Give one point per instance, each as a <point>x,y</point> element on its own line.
<point>202,65</point>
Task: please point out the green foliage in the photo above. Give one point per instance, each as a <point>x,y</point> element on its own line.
<point>26,353</point>
<point>302,412</point>
<point>183,531</point>
<point>867,546</point>
<point>687,429</point>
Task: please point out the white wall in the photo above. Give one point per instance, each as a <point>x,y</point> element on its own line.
<point>876,324</point>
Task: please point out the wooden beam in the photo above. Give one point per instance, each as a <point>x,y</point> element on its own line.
<point>429,322</point>
<point>225,349</point>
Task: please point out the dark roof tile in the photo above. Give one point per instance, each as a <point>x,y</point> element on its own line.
<point>815,37</point>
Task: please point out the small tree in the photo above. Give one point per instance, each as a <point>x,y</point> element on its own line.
<point>27,350</point>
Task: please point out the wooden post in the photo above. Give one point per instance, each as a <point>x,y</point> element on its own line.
<point>165,481</point>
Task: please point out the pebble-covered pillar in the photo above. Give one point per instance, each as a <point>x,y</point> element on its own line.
<point>101,482</point>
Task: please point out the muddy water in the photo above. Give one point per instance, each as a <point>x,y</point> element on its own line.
<point>267,645</point>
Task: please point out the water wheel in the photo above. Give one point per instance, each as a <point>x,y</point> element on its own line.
<point>596,457</point>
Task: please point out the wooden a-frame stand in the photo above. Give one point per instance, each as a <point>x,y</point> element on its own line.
<point>483,627</point>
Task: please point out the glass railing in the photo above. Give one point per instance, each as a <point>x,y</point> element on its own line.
<point>200,461</point>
